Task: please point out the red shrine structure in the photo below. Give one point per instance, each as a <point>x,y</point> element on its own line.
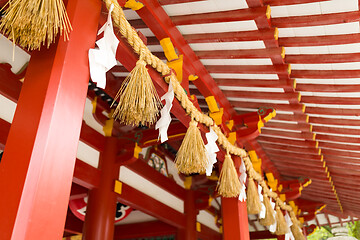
<point>281,79</point>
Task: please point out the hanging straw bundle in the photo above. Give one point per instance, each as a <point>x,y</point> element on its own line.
<point>32,23</point>
<point>229,184</point>
<point>139,102</point>
<point>253,201</point>
<point>191,157</point>
<point>269,215</point>
<point>281,226</point>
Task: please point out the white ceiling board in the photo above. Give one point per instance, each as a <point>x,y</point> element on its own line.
<point>296,10</point>
<point>321,219</point>
<point>237,26</point>
<point>89,118</point>
<point>207,219</point>
<point>336,6</point>
<point>88,154</point>
<point>227,45</point>
<point>131,15</point>
<point>339,142</point>
<point>6,55</point>
<point>155,48</point>
<point>255,61</point>
<point>204,7</point>
<point>245,76</point>
<point>334,219</point>
<point>331,94</point>
<point>7,109</point>
<point>138,182</point>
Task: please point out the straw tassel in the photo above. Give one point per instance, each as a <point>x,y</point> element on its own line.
<point>253,201</point>
<point>297,232</point>
<point>139,102</point>
<point>32,23</point>
<point>295,229</point>
<point>269,215</point>
<point>229,184</point>
<point>281,226</point>
<point>191,157</point>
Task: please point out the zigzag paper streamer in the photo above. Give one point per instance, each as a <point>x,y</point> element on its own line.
<point>103,58</point>
<point>211,149</point>
<point>164,122</point>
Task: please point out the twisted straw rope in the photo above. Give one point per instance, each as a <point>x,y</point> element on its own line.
<point>140,48</point>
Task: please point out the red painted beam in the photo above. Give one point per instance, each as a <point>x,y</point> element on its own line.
<point>331,100</point>
<point>335,152</point>
<point>289,126</point>
<point>300,118</point>
<point>261,95</point>
<point>73,225</point>
<point>208,233</point>
<point>327,88</point>
<point>89,177</point>
<point>234,54</point>
<point>143,230</point>
<point>162,26</point>
<point>254,69</point>
<point>10,85</point>
<point>293,156</point>
<point>296,108</point>
<point>289,148</point>
<point>169,2</point>
<point>319,74</point>
<point>86,175</point>
<point>262,235</point>
<point>319,58</point>
<point>4,132</point>
<point>251,83</point>
<point>316,20</point>
<point>342,131</point>
<point>258,95</point>
<point>299,135</point>
<point>319,40</point>
<point>332,111</point>
<point>78,191</point>
<point>290,2</point>
<point>290,142</point>
<point>224,16</point>
<point>347,147</point>
<point>230,36</point>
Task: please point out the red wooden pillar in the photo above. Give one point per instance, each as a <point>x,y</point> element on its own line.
<point>189,233</point>
<point>235,219</point>
<point>101,208</point>
<point>280,237</point>
<point>38,163</point>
